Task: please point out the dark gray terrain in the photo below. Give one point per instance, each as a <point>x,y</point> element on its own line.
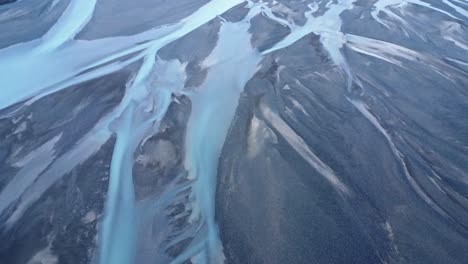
<point>231,131</point>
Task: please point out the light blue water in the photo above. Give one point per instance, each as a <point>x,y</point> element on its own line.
<point>118,233</point>
<point>119,229</point>
<point>232,63</point>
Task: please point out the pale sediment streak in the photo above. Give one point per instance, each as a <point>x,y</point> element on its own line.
<point>61,165</point>
<point>454,33</point>
<point>457,8</point>
<point>31,166</point>
<point>328,27</point>
<point>385,5</point>
<point>363,109</point>
<point>395,54</point>
<point>302,148</point>
<point>400,19</point>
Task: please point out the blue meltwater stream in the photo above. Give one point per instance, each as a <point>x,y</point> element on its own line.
<point>65,61</point>
<point>213,106</point>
